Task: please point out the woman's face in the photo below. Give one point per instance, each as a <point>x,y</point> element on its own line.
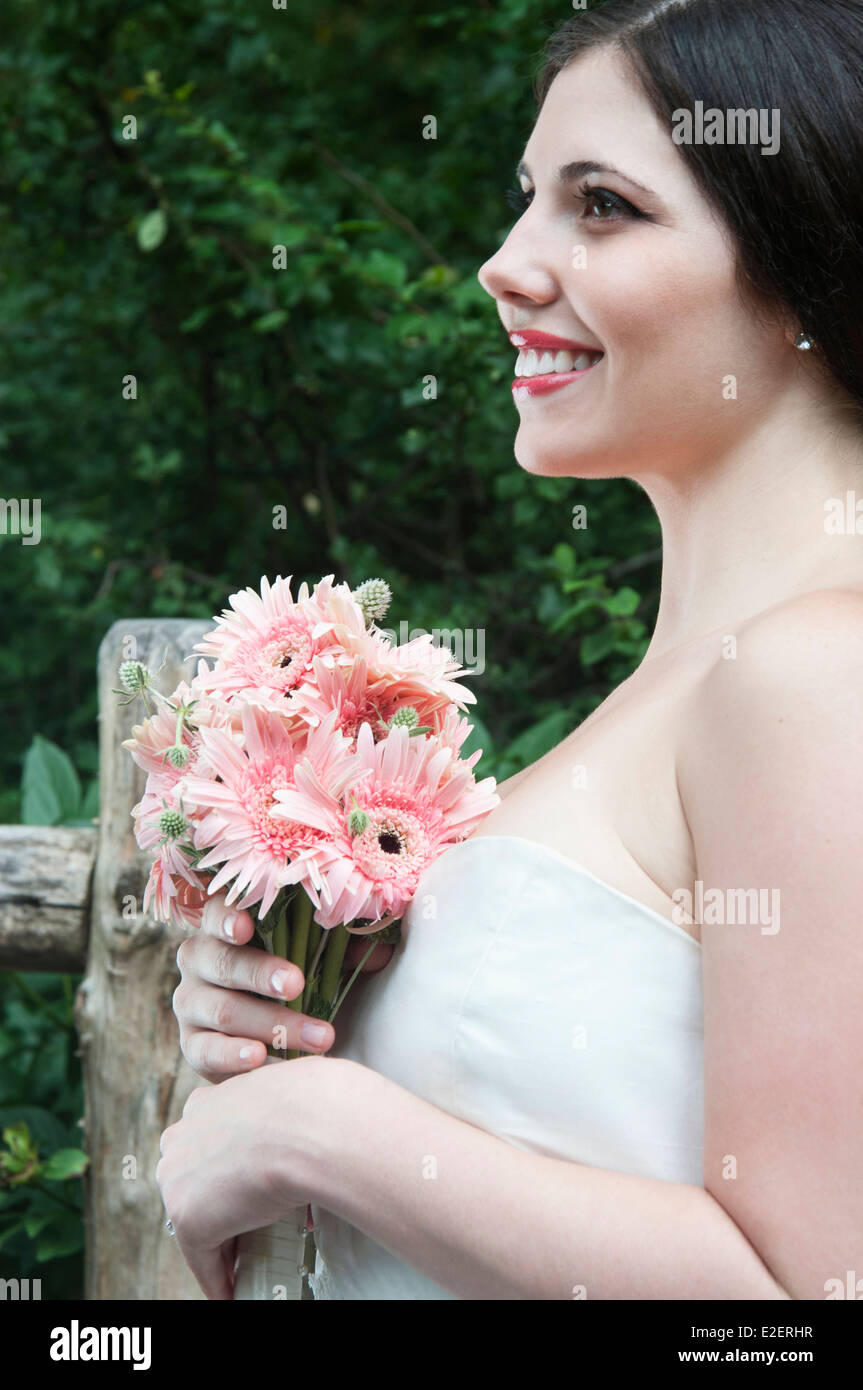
<point>644,275</point>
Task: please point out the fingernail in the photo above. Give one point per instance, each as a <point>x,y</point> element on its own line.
<point>314,1033</point>
<point>229,924</point>
<point>246,1052</point>
<point>279,980</point>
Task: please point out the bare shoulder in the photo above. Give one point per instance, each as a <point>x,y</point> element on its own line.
<point>827,623</point>
<point>795,645</point>
<point>798,665</point>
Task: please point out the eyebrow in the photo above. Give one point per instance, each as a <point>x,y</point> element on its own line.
<point>579,167</point>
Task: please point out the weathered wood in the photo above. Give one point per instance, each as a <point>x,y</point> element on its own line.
<point>135,1078</point>
<point>45,877</point>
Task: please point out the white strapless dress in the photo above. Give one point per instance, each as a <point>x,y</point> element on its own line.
<point>539,1003</point>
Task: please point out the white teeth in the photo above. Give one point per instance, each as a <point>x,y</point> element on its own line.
<point>532,363</point>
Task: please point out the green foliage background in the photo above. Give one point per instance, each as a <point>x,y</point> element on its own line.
<point>260,388</point>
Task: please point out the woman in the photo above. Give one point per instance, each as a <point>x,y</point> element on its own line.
<point>586,1072</point>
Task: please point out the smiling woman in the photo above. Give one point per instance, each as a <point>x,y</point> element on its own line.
<point>562,1085</point>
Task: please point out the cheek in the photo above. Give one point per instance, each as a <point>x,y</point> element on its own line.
<point>672,315</point>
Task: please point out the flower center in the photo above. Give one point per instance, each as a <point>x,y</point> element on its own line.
<point>398,839</point>
<point>280,656</point>
<point>390,840</point>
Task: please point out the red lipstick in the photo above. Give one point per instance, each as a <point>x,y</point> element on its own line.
<point>528,339</point>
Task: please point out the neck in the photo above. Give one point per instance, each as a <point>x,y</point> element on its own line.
<point>744,528</point>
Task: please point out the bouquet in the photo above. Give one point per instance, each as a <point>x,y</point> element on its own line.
<point>314,770</point>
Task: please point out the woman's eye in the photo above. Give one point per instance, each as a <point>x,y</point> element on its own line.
<point>518,199</point>
<point>597,204</point>
<point>607,205</point>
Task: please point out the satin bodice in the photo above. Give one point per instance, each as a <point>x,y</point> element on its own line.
<point>539,1003</point>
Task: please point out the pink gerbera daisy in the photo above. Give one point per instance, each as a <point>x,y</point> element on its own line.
<point>413,797</point>
<point>347,689</point>
<point>254,848</point>
<point>164,827</point>
<point>173,900</point>
<point>264,649</point>
<point>167,754</point>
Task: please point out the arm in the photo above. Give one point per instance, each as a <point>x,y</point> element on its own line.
<point>489,1221</point>
<point>771,781</point>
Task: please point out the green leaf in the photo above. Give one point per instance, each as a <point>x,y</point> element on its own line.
<point>563,557</point>
<point>266,322</point>
<point>152,230</point>
<point>50,787</point>
<point>381,265</point>
<point>623,603</point>
<point>570,615</point>
<point>64,1236</point>
<point>90,804</point>
<point>479,737</point>
<point>65,1163</point>
<point>539,738</point>
<point>19,1140</point>
<point>595,645</point>
<point>36,1221</point>
<point>45,1128</point>
<point>197,319</point>
<point>10,1232</point>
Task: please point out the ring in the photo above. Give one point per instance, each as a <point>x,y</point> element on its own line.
<point>169,1226</point>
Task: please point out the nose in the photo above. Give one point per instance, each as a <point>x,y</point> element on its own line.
<point>515,274</point>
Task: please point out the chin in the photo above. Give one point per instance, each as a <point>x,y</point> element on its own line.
<point>544,459</point>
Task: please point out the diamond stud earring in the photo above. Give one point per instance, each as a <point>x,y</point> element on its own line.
<point>803,342</point>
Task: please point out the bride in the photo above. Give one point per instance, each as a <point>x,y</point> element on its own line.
<point>616,1053</point>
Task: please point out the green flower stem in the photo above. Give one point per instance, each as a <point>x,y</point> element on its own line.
<point>335,953</point>
<point>280,948</point>
<point>338,1003</point>
<point>301,917</point>
<point>280,932</point>
<point>301,920</point>
<point>317,943</point>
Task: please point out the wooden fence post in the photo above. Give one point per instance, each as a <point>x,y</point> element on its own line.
<point>135,1078</point>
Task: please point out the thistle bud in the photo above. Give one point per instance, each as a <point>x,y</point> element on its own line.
<point>358,818</point>
<point>407,715</point>
<point>135,677</point>
<point>374,597</point>
<point>172,824</point>
<point>178,755</point>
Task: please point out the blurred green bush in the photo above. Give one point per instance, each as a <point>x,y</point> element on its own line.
<point>191,415</point>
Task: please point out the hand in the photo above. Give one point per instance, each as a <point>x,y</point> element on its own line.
<point>218,1020</point>
<point>243,1155</point>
